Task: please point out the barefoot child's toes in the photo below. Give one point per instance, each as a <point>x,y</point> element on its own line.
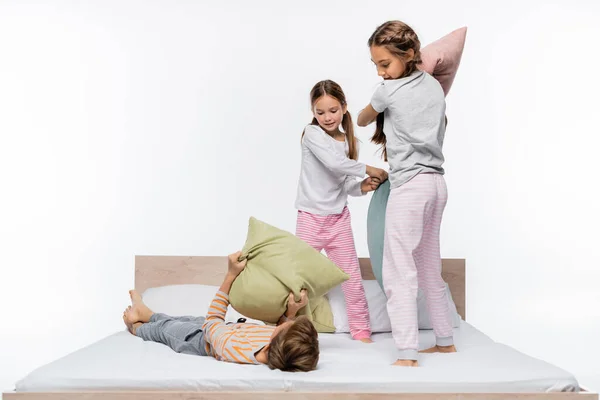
<point>138,312</point>
<point>128,324</point>
<point>440,349</point>
<point>135,297</point>
<point>433,349</point>
<point>447,349</point>
<point>132,315</point>
<point>406,363</point>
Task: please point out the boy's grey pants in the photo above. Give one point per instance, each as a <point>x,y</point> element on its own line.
<point>182,334</point>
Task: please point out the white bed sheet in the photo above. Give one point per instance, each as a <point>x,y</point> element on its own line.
<point>125,362</point>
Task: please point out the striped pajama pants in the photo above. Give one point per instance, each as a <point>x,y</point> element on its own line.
<point>182,334</point>
<point>333,233</point>
<point>411,259</point>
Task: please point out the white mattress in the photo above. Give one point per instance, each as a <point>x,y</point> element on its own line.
<point>123,361</point>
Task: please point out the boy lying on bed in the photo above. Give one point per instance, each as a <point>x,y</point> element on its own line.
<point>290,346</point>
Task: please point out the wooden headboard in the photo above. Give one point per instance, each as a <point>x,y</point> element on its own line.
<point>155,271</point>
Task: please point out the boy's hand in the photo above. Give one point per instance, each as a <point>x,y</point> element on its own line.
<point>293,307</point>
<point>235,267</point>
<point>369,184</point>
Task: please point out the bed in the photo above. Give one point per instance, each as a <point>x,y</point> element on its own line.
<point>122,366</point>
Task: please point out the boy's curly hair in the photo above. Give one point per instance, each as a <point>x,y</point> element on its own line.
<point>296,348</point>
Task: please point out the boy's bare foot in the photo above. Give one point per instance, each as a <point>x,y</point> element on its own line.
<point>406,363</point>
<point>440,349</point>
<point>127,320</point>
<point>137,312</point>
<point>366,340</point>
<point>140,311</point>
<point>131,327</point>
<point>135,297</point>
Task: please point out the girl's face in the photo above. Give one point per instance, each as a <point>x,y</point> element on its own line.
<point>329,113</point>
<point>389,66</point>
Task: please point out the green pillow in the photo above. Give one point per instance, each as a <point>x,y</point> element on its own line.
<point>376,228</point>
<point>278,263</point>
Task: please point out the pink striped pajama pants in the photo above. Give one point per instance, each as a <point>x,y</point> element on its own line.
<point>334,234</point>
<point>411,259</point>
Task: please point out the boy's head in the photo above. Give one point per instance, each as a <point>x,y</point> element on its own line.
<point>294,346</point>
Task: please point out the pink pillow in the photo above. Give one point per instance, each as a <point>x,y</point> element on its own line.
<point>442,57</point>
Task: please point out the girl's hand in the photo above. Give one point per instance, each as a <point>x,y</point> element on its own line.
<point>293,307</point>
<point>377,173</point>
<point>369,185</point>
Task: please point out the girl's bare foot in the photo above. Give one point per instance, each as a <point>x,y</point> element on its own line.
<point>366,340</point>
<point>440,349</point>
<point>406,363</point>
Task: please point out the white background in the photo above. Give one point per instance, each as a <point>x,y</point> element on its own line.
<point>146,127</point>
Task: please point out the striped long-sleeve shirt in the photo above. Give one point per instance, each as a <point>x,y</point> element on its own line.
<point>232,342</point>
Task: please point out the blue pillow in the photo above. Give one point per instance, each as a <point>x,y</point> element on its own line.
<point>376,228</point>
